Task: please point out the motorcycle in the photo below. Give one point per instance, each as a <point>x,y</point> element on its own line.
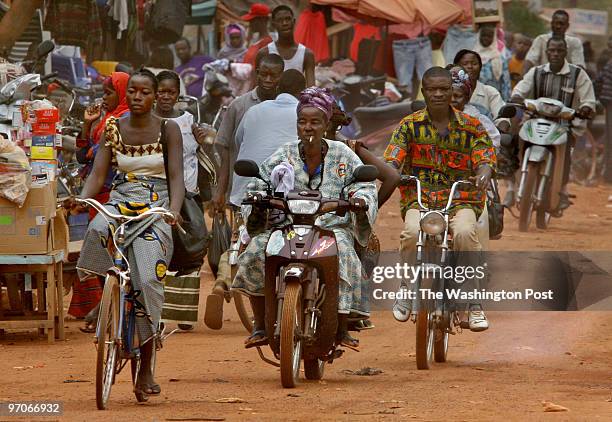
<point>544,138</point>
<point>301,284</point>
<point>356,95</point>
<point>435,318</point>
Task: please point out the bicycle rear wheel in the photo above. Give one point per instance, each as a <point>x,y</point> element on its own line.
<point>108,345</point>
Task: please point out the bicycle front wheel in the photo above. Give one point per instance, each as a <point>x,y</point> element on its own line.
<point>108,345</point>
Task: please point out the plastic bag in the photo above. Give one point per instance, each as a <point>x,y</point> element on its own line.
<point>15,173</point>
<point>221,240</point>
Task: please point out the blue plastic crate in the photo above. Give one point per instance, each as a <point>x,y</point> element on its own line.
<point>77,226</point>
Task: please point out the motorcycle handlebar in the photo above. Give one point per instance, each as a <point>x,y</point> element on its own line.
<point>406,180</point>
<point>326,205</point>
<point>49,76</point>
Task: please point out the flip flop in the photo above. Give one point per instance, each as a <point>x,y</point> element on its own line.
<point>213,314</point>
<point>89,328</point>
<point>257,339</point>
<point>349,342</point>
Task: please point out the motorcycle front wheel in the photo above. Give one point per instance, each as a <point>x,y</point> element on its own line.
<point>425,335</point>
<point>292,322</point>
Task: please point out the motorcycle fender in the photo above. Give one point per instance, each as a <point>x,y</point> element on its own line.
<point>537,154</point>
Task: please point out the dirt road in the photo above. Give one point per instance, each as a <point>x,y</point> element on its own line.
<point>504,373</point>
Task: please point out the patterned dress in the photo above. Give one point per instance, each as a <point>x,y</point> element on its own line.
<point>148,242</point>
<point>338,166</point>
<point>439,159</point>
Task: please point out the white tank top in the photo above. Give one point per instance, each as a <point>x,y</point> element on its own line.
<point>296,62</point>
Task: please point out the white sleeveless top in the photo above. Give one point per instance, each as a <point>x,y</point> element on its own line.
<point>296,62</point>
<point>190,149</point>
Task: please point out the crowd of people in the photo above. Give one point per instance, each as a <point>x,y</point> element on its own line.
<point>278,116</point>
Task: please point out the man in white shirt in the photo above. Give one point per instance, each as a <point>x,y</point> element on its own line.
<point>265,127</point>
<point>559,24</point>
<point>561,81</point>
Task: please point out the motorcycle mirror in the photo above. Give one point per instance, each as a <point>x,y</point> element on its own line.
<point>44,48</point>
<point>507,112</point>
<point>365,173</point>
<point>247,168</point>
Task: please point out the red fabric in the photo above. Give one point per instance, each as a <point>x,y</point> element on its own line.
<point>362,31</point>
<point>102,198</point>
<point>86,294</point>
<point>311,31</point>
<point>120,82</point>
<point>251,54</point>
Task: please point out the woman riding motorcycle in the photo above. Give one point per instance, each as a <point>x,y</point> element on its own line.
<point>313,163</point>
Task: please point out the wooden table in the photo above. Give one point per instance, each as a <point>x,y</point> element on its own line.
<point>53,319</point>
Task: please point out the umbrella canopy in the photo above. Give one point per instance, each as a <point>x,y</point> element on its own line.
<point>435,13</point>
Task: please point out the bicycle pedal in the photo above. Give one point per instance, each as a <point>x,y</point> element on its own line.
<point>465,325</point>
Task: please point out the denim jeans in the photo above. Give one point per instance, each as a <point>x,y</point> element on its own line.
<point>409,55</point>
<point>456,40</point>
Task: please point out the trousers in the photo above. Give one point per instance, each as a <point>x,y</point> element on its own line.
<point>469,235</point>
<point>411,55</point>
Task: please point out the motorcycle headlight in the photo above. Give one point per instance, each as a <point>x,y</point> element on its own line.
<point>303,206</point>
<point>550,110</point>
<point>433,223</point>
<point>567,114</point>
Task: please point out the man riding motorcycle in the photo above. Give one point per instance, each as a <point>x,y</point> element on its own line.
<point>312,163</point>
<point>560,80</point>
<point>441,145</point>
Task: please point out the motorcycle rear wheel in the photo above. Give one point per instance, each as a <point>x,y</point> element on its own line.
<point>425,335</point>
<point>527,200</point>
<point>292,321</point>
<point>440,345</point>
<point>314,368</point>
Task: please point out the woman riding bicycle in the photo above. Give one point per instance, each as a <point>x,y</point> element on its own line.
<point>325,166</point>
<point>132,146</point>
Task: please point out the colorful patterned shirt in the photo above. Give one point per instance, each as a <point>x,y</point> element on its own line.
<point>438,159</point>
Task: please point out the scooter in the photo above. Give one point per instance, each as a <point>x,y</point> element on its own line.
<point>301,281</point>
<point>544,139</point>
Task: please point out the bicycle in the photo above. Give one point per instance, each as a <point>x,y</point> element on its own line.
<point>119,307</point>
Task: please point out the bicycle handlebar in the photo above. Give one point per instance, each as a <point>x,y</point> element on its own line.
<point>125,219</point>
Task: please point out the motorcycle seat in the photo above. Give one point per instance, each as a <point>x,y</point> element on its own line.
<point>393,111</point>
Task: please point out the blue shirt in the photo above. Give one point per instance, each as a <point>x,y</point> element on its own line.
<point>264,128</point>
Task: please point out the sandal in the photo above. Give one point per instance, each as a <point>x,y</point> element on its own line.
<point>349,342</point>
<point>257,339</point>
<point>147,390</point>
<point>89,328</point>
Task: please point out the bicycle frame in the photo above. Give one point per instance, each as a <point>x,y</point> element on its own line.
<point>127,323</point>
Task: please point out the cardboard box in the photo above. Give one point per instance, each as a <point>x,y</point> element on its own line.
<point>42,153</point>
<point>61,234</point>
<point>43,128</point>
<point>49,115</point>
<point>27,230</point>
<point>43,167</point>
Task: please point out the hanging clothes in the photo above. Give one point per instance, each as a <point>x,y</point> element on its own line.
<point>74,22</point>
<point>118,10</point>
<point>362,31</point>
<point>311,31</point>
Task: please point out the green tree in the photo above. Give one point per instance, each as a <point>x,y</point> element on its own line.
<point>518,18</point>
